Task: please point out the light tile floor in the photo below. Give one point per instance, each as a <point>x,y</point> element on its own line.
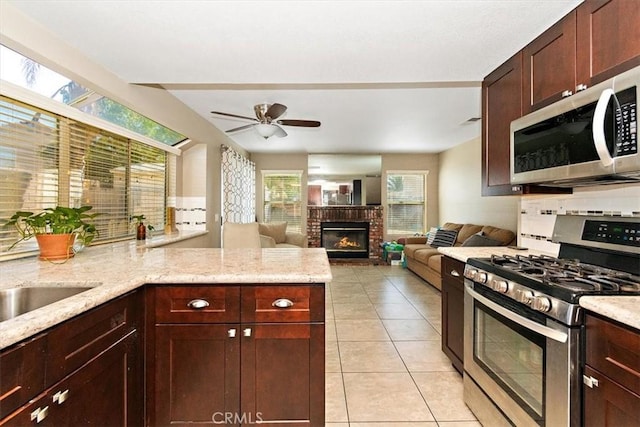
<point>384,366</point>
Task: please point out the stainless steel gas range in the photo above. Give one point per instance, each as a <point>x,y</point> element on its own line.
<point>524,326</point>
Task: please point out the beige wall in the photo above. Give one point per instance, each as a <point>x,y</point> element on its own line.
<point>414,162</point>
<point>280,162</point>
<point>459,189</point>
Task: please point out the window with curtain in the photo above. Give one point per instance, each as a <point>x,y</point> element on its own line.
<point>283,198</point>
<point>406,202</point>
<point>48,160</point>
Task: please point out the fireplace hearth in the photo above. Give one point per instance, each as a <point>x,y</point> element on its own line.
<point>370,215</point>
<point>345,239</point>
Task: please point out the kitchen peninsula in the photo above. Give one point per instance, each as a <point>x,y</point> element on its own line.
<point>222,323</point>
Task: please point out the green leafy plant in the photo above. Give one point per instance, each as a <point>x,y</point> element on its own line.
<point>58,220</point>
<point>139,220</point>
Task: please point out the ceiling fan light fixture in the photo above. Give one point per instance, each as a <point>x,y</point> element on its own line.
<point>265,130</point>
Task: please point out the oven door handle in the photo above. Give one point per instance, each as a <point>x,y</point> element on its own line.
<point>523,321</point>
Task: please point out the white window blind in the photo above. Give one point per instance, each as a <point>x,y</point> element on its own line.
<point>406,202</point>
<point>283,198</point>
<point>48,160</point>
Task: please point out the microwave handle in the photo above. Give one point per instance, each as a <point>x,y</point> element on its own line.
<point>522,321</point>
<point>599,140</point>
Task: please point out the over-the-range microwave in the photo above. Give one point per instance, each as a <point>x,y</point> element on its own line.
<point>589,138</point>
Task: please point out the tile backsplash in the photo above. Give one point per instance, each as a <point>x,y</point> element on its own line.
<point>538,213</point>
<point>191,213</point>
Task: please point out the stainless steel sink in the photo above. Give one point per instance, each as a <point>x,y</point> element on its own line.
<point>17,301</point>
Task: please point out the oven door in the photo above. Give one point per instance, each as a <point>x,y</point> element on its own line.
<point>525,363</point>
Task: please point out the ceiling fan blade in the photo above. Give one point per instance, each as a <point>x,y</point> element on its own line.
<point>299,123</point>
<point>280,132</point>
<point>241,128</point>
<point>234,115</point>
<point>275,111</point>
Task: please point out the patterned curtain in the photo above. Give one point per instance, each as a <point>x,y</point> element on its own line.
<point>238,187</point>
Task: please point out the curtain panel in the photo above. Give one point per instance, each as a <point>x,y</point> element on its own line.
<point>238,187</point>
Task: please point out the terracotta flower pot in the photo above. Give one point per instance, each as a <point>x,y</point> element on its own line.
<point>56,247</point>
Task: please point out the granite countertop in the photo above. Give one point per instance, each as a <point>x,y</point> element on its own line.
<point>623,309</point>
<point>115,269</point>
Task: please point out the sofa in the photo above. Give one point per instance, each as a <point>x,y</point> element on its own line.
<point>425,260</point>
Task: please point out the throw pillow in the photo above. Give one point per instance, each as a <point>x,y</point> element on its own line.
<point>444,238</point>
<point>431,235</point>
<point>479,240</point>
<point>277,230</point>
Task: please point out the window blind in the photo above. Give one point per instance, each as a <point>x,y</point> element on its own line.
<point>283,198</point>
<point>48,160</point>
<point>406,203</point>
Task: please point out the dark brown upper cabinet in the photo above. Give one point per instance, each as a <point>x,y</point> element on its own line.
<point>594,42</point>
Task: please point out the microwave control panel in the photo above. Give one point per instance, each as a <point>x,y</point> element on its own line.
<point>619,233</point>
<point>626,123</point>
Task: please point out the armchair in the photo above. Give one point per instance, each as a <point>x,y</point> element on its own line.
<point>275,235</point>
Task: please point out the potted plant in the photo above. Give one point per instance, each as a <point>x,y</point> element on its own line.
<point>141,230</point>
<point>56,230</point>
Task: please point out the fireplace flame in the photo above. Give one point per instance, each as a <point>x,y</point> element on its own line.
<point>346,243</point>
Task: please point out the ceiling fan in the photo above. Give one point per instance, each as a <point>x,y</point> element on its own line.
<point>266,121</point>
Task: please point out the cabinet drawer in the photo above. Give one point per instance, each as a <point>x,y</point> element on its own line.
<point>452,269</point>
<point>197,304</point>
<point>614,350</point>
<point>84,337</point>
<point>274,304</point>
<point>21,374</point>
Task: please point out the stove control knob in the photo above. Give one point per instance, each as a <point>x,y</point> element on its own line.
<point>481,277</point>
<point>501,286</point>
<point>524,297</point>
<point>542,304</point>
<point>470,273</point>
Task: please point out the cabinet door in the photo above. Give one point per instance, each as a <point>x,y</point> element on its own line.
<point>39,412</point>
<point>21,374</point>
<point>283,374</point>
<point>197,374</point>
<point>608,39</point>
<point>609,404</point>
<point>550,65</point>
<point>79,340</point>
<point>453,311</point>
<point>501,103</point>
<point>107,391</point>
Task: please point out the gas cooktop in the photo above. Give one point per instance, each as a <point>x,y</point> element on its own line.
<point>565,279</point>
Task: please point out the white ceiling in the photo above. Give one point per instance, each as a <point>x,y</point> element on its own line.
<point>381,76</point>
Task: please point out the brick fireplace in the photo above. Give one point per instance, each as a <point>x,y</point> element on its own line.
<point>317,215</point>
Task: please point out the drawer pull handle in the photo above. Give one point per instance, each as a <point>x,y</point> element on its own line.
<point>198,304</point>
<point>60,397</point>
<point>282,303</point>
<point>40,414</point>
<point>454,273</point>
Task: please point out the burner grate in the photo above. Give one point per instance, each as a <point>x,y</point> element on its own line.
<point>570,274</point>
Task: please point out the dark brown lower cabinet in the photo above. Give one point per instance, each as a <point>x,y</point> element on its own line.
<point>453,311</point>
<point>196,373</point>
<point>609,404</point>
<point>106,391</point>
<point>282,374</point>
<point>611,374</point>
<point>242,371</point>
